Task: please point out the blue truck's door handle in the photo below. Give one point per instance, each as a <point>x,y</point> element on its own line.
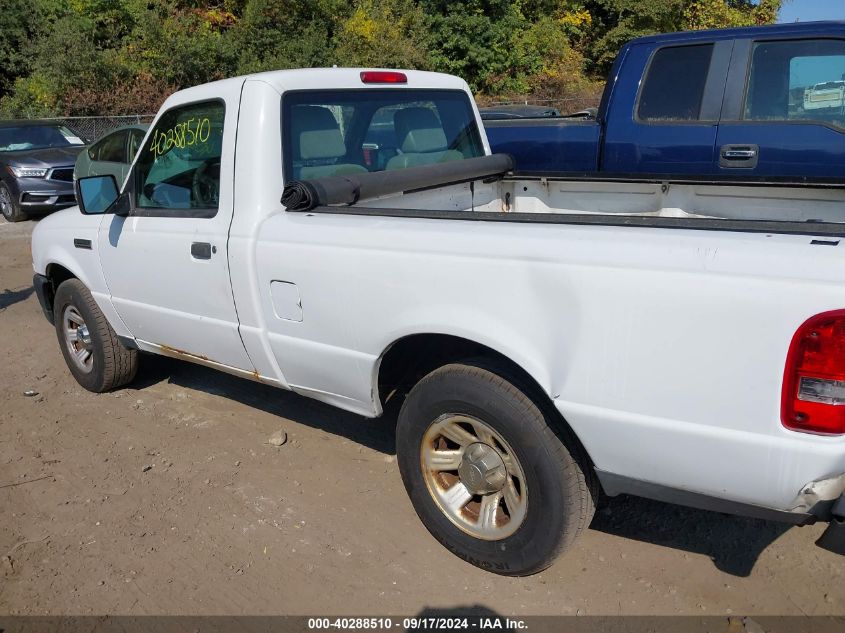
<point>739,153</point>
<point>739,156</point>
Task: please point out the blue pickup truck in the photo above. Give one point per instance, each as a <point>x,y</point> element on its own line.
<point>750,103</point>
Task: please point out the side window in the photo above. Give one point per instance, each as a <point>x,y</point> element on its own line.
<point>179,166</point>
<point>111,149</point>
<point>799,80</point>
<point>674,86</point>
<point>135,138</point>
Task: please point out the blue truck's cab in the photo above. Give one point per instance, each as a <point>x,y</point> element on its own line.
<point>750,103</point>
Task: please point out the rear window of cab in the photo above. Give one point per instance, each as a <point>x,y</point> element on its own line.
<point>346,132</point>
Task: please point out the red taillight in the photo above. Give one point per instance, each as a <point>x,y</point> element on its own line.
<point>383,77</point>
<point>814,380</point>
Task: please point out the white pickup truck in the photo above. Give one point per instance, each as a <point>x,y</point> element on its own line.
<point>345,234</point>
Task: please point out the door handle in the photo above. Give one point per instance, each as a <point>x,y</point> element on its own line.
<point>739,153</point>
<point>202,250</point>
<point>739,156</point>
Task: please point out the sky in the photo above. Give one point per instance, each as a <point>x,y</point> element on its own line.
<point>809,10</point>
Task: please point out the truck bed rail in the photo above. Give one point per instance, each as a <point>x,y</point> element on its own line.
<point>822,229</point>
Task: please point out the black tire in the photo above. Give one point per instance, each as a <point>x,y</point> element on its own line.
<point>112,364</point>
<point>9,206</point>
<point>561,486</point>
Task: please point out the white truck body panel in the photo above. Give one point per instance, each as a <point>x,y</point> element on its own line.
<point>636,334</point>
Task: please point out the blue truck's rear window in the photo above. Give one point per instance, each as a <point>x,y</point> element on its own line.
<point>335,133</point>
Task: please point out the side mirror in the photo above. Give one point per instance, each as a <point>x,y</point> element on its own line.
<point>96,194</point>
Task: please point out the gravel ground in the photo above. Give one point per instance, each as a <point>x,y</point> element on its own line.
<point>167,498</point>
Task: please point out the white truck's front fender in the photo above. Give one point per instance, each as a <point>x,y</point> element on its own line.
<point>69,239</point>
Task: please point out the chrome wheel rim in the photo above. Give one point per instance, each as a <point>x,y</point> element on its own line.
<point>5,202</point>
<point>474,477</point>
<point>78,339</point>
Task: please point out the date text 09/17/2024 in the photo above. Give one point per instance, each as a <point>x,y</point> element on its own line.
<point>418,623</point>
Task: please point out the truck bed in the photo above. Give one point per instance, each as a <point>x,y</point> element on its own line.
<point>573,276</point>
<point>745,207</point>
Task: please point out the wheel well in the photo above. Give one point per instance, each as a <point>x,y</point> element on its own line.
<point>57,274</point>
<point>411,358</point>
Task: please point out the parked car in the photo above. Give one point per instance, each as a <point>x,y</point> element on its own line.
<point>721,104</point>
<point>546,338</point>
<point>517,112</point>
<point>111,154</point>
<point>828,94</point>
<point>36,167</point>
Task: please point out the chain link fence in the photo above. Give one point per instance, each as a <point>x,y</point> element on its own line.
<point>567,105</point>
<point>93,127</point>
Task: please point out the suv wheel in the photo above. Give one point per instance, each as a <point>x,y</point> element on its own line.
<point>10,209</point>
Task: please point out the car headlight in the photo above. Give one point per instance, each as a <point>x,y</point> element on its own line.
<point>28,172</point>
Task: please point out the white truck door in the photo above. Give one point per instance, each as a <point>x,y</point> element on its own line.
<point>166,264</point>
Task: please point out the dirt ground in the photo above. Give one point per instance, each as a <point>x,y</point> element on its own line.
<point>166,498</point>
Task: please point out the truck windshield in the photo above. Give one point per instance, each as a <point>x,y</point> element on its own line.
<point>335,133</point>
<point>27,137</point>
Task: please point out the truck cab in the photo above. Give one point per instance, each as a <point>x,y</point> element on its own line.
<point>756,103</point>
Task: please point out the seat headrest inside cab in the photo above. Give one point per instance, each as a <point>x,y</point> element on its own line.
<point>419,130</point>
<point>316,133</point>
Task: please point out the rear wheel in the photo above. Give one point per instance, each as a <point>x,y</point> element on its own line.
<point>10,209</point>
<point>486,473</point>
<point>90,346</point>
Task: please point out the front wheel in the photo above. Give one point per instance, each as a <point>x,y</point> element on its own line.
<point>486,474</point>
<point>90,346</point>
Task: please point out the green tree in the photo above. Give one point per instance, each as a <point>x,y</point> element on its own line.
<point>716,14</point>
<point>17,26</point>
<point>296,34</point>
<point>181,47</point>
<point>62,56</point>
<point>475,40</point>
<point>391,33</point>
<point>552,67</point>
<point>617,21</point>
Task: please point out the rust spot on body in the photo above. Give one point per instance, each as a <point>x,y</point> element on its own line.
<point>175,351</point>
<point>181,352</point>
